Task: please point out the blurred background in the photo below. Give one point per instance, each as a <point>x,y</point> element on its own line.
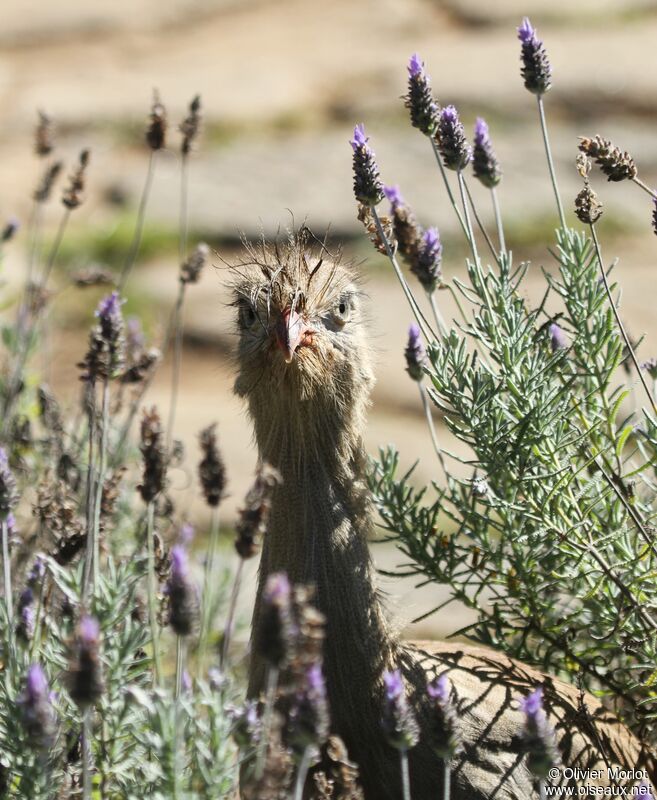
<point>282,85</point>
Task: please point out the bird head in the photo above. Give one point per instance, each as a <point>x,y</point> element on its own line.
<point>303,360</point>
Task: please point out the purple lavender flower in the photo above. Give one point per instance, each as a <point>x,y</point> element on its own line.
<point>452,144</point>
<point>428,258</point>
<point>419,99</point>
<point>538,736</point>
<point>415,354</point>
<point>85,673</point>
<point>105,357</point>
<point>10,230</point>
<point>308,720</point>
<point>558,339</point>
<point>8,488</point>
<point>445,738</point>
<point>183,604</point>
<point>399,723</point>
<point>26,619</point>
<point>536,70</point>
<point>36,575</point>
<point>394,196</point>
<point>276,633</point>
<point>38,715</point>
<point>485,165</point>
<point>367,184</point>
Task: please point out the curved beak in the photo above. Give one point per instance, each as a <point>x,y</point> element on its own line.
<point>289,332</point>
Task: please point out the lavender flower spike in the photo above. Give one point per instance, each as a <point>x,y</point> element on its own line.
<point>182,594</point>
<point>38,715</point>
<point>485,165</point>
<point>538,736</point>
<point>419,99</point>
<point>8,488</point>
<point>308,722</point>
<point>536,70</point>
<point>452,143</point>
<point>428,258</point>
<point>415,354</point>
<point>444,729</point>
<point>276,633</point>
<point>399,723</point>
<point>85,671</point>
<point>367,184</point>
<point>393,194</point>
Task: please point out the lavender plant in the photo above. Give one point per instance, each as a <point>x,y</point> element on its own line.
<point>544,528</point>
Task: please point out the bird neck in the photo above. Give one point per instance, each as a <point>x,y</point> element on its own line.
<point>319,526</point>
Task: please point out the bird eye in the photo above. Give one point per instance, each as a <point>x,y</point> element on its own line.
<point>247,314</point>
<point>342,310</point>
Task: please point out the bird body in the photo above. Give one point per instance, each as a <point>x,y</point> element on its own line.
<point>305,371</point>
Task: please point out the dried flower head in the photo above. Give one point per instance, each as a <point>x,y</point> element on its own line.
<point>157,126</point>
<point>95,275</point>
<point>254,516</point>
<point>616,164</point>
<point>428,259</point>
<point>143,367</point>
<point>37,714</point>
<point>445,737</point>
<point>538,736</point>
<point>72,196</point>
<point>10,230</point>
<point>190,270</point>
<point>415,354</point>
<point>105,357</point>
<point>536,70</point>
<point>450,136</point>
<point>583,165</point>
<point>399,722</point>
<point>57,510</point>
<point>485,165</point>
<point>308,718</point>
<point>419,99</point>
<point>44,189</point>
<point>154,456</point>
<point>309,630</point>
<point>365,216</point>
<point>367,184</point>
<point>85,679</point>
<point>183,599</point>
<point>339,777</point>
<point>8,486</point>
<point>588,208</point>
<point>43,135</point>
<point>405,228</point>
<point>211,469</point>
<point>191,125</point>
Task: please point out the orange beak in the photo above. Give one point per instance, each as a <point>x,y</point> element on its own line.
<point>290,330</point>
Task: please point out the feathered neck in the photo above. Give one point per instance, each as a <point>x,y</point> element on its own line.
<point>320,522</point>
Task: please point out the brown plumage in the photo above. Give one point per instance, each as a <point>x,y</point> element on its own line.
<point>304,369</point>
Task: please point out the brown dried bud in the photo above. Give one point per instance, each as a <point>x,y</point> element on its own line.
<point>94,275</point>
<point>72,196</point>
<point>588,208</point>
<point>191,125</point>
<point>157,128</point>
<point>254,517</point>
<point>144,365</point>
<point>583,165</point>
<point>365,216</point>
<point>190,270</point>
<point>211,470</point>
<point>154,455</point>
<point>43,135</point>
<point>617,165</point>
<point>43,190</point>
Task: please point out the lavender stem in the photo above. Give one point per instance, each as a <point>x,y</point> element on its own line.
<point>302,773</point>
<point>270,699</point>
<point>548,153</point>
<point>432,430</point>
<point>447,778</point>
<point>498,220</point>
<point>86,754</point>
<point>152,612</point>
<point>228,630</point>
<point>406,780</point>
<point>139,227</point>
